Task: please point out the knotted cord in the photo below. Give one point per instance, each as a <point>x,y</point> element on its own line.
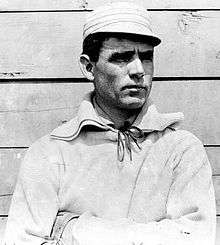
<point>126,134</point>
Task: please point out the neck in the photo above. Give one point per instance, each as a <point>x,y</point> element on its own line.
<point>117,115</point>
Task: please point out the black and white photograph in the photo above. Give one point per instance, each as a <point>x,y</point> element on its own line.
<point>110,122</point>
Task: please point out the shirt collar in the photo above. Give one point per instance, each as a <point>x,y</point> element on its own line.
<point>149,119</point>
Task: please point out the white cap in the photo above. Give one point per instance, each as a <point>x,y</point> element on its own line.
<point>120,17</point>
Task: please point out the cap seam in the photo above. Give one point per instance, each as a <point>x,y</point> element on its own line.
<point>94,17</point>
<point>115,21</point>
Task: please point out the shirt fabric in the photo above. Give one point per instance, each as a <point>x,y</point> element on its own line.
<point>163,196</point>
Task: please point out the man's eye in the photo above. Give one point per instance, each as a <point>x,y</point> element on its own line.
<point>146,57</point>
<point>123,59</point>
<point>120,58</point>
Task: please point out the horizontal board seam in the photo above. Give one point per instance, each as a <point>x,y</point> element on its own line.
<point>3,216</point>
<point>89,10</point>
<point>41,110</point>
<point>6,195</point>
<point>212,146</point>
<point>83,80</point>
<point>26,147</point>
<point>6,215</point>
<point>12,147</point>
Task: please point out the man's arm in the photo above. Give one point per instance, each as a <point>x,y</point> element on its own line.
<point>35,203</point>
<point>190,218</point>
<point>190,207</point>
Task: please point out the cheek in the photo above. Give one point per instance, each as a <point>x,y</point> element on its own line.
<point>114,76</point>
<point>113,71</point>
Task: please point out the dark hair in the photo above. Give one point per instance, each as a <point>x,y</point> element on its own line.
<point>93,43</point>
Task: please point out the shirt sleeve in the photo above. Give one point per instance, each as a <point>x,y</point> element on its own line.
<point>191,201</point>
<point>190,218</point>
<point>34,204</point>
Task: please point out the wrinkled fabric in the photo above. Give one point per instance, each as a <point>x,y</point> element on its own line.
<point>163,196</point>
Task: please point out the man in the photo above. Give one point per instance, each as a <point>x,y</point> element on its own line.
<point>119,173</point>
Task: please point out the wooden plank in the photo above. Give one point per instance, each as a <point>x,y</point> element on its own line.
<point>3,221</point>
<point>38,108</point>
<point>198,100</point>
<point>214,158</point>
<point>216,182</point>
<point>23,5</point>
<point>10,160</point>
<point>217,242</point>
<point>48,44</point>
<point>5,202</point>
<point>41,45</point>
<point>2,228</point>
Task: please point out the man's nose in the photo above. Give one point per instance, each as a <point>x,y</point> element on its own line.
<point>136,69</point>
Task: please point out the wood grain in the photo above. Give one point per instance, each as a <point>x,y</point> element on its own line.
<point>198,100</point>
<point>29,111</point>
<point>216,182</point>
<point>22,5</point>
<point>3,221</point>
<point>10,160</point>
<point>42,45</point>
<point>217,231</point>
<point>214,158</point>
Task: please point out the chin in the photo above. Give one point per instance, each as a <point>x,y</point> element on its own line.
<point>133,103</point>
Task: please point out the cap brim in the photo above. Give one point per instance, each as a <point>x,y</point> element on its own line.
<point>131,29</point>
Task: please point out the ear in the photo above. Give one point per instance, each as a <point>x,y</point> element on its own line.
<point>86,66</point>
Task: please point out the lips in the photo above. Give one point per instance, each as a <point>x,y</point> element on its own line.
<point>134,87</point>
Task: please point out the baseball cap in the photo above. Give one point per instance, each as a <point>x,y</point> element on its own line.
<point>120,17</point>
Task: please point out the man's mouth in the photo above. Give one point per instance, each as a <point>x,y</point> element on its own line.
<point>134,88</point>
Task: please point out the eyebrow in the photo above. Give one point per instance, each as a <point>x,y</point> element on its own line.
<point>127,54</point>
<point>117,55</point>
<point>148,53</point>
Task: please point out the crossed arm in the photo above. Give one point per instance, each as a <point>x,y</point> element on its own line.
<point>190,218</point>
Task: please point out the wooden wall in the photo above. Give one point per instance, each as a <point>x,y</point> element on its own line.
<point>41,84</point>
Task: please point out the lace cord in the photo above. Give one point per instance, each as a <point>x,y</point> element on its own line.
<point>120,147</point>
<point>54,242</point>
<point>125,136</point>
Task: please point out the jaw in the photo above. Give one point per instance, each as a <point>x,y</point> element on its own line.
<point>132,103</point>
<point>132,99</point>
<point>121,109</point>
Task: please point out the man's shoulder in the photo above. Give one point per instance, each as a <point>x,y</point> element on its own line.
<point>184,146</point>
<point>42,145</point>
<point>181,136</point>
<point>66,129</point>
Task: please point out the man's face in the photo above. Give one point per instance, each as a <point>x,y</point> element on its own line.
<point>123,73</point>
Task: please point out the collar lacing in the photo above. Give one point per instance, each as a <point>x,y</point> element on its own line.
<point>126,134</point>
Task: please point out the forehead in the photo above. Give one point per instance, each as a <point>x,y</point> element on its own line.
<point>121,45</point>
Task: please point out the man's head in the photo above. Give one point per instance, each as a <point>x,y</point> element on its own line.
<point>118,54</point>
